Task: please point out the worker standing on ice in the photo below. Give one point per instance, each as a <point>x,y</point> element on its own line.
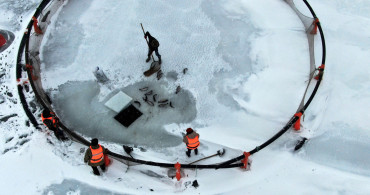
<point>51,122</point>
<point>191,139</point>
<point>94,156</point>
<point>153,46</point>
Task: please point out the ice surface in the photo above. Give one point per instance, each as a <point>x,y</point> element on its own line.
<point>12,13</point>
<point>238,111</point>
<point>347,149</point>
<point>234,47</point>
<point>216,49</point>
<point>80,108</point>
<point>70,29</point>
<point>71,186</point>
<point>118,101</point>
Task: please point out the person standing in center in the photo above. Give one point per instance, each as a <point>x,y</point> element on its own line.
<point>153,46</point>
<point>191,139</point>
<point>94,156</point>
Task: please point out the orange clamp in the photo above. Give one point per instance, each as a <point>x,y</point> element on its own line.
<point>245,160</point>
<point>28,66</point>
<point>178,173</point>
<point>22,81</point>
<point>321,69</point>
<point>35,26</point>
<point>297,124</point>
<point>314,30</point>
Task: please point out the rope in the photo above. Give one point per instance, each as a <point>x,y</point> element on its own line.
<point>301,105</point>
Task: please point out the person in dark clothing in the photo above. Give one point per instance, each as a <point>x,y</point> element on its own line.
<point>153,46</point>
<point>191,139</point>
<point>51,121</point>
<point>94,156</point>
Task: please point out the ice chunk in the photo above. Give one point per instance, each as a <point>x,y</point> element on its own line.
<point>118,102</point>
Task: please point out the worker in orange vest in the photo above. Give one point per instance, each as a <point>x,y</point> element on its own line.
<point>94,156</point>
<point>51,121</point>
<point>191,139</point>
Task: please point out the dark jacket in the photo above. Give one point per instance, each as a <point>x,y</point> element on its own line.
<point>88,156</point>
<point>153,43</point>
<point>49,124</point>
<point>191,136</point>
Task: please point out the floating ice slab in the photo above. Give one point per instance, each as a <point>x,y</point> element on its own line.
<point>118,102</point>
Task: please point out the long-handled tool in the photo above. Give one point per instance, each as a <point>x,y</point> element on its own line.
<point>155,66</point>
<point>146,39</point>
<point>219,153</point>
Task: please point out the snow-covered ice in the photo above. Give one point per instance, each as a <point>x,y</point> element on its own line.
<point>247,70</point>
<point>219,76</point>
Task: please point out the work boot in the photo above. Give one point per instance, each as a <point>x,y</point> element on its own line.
<point>187,154</point>
<point>96,171</point>
<point>64,138</point>
<point>60,135</point>
<point>148,59</point>
<point>102,167</point>
<point>196,151</point>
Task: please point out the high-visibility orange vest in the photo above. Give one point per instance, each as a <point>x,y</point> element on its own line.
<point>193,143</point>
<point>97,154</point>
<point>49,118</point>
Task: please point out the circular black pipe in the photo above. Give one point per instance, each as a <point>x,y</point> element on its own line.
<point>227,164</point>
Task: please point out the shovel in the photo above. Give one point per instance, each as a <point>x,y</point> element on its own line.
<point>219,153</point>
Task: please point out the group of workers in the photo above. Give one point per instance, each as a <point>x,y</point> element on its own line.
<point>94,155</point>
